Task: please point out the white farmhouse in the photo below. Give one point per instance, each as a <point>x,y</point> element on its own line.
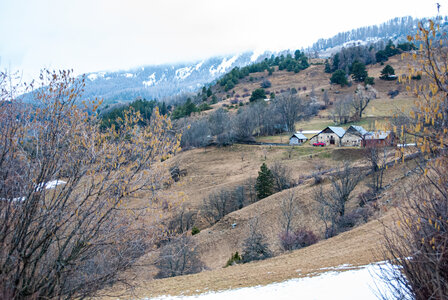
<point>330,136</point>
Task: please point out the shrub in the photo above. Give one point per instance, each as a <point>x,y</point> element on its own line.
<point>255,246</point>
<point>265,84</point>
<point>195,230</point>
<point>369,81</point>
<point>234,259</point>
<point>179,257</point>
<point>305,237</point>
<point>299,239</point>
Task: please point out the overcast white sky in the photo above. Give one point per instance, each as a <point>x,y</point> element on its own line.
<point>94,35</point>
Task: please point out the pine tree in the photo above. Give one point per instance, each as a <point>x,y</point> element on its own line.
<point>387,72</point>
<point>265,182</point>
<point>359,72</point>
<point>339,77</point>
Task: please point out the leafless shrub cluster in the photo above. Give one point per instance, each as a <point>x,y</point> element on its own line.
<point>219,204</point>
<point>179,257</point>
<point>255,246</point>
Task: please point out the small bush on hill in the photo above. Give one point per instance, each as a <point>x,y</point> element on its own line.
<point>369,81</point>
<point>179,257</point>
<point>266,84</point>
<point>234,259</point>
<point>195,230</point>
<point>299,239</point>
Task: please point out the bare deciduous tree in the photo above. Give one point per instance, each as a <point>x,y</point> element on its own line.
<point>182,221</point>
<point>362,98</point>
<point>289,210</point>
<point>342,110</point>
<point>73,239</point>
<point>291,108</point>
<point>216,206</point>
<point>377,156</point>
<point>332,204</point>
<point>244,125</point>
<point>326,98</point>
<point>282,176</point>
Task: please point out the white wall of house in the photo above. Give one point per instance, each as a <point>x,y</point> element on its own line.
<point>351,140</point>
<point>326,138</point>
<point>294,141</point>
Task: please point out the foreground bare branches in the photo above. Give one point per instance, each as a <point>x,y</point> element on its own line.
<point>70,240</point>
<point>418,243</point>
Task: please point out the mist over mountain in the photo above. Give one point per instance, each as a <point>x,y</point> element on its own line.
<point>156,82</point>
<point>160,81</point>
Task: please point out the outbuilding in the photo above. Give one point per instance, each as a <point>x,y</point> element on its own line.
<point>297,139</point>
<point>379,139</point>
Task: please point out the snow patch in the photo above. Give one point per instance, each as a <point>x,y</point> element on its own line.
<point>198,66</point>
<point>309,131</point>
<point>54,183</point>
<point>256,54</point>
<point>92,77</point>
<point>151,80</point>
<point>95,76</point>
<point>183,73</point>
<point>128,75</point>
<point>225,64</point>
<point>362,283</point>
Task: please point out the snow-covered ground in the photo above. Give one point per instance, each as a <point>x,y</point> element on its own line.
<point>309,131</point>
<point>354,283</point>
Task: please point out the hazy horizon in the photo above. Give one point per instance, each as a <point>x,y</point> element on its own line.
<point>103,35</point>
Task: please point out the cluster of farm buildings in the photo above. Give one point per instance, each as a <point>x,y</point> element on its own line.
<point>354,136</point>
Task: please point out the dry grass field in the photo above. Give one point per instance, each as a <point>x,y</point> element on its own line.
<point>359,246</point>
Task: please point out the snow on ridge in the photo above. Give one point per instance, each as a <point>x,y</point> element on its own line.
<point>128,75</point>
<point>183,73</point>
<point>225,64</point>
<point>151,80</point>
<point>256,54</point>
<point>94,76</point>
<point>198,66</point>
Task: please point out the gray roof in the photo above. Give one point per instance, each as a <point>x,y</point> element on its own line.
<point>359,129</point>
<point>338,130</point>
<point>299,136</point>
<point>377,135</point>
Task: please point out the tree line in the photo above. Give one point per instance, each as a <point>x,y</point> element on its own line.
<point>295,64</point>
<point>259,118</point>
